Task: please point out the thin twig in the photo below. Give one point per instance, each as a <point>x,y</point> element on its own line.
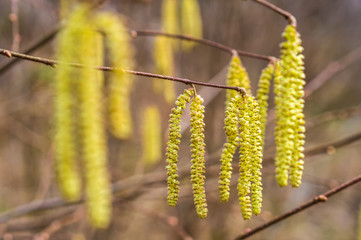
<point>136,33</point>
<point>53,63</point>
<point>318,199</point>
<point>287,15</point>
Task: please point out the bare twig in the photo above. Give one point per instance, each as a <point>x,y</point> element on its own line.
<point>287,15</point>
<point>318,199</point>
<point>136,33</point>
<point>53,63</point>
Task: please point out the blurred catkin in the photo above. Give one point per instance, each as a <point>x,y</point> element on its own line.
<point>173,145</point>
<point>65,140</point>
<point>94,153</point>
<point>152,135</point>
<point>198,153</point>
<point>290,123</point>
<point>163,58</point>
<point>191,21</point>
<point>121,56</point>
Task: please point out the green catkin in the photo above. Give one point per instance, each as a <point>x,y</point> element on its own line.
<point>249,182</point>
<point>163,58</point>
<point>229,148</point>
<point>290,129</point>
<point>120,83</point>
<point>237,76</point>
<point>198,152</point>
<point>94,154</point>
<point>173,145</point>
<point>152,139</point>
<point>65,144</point>
<point>262,95</point>
<point>191,21</point>
<point>170,16</point>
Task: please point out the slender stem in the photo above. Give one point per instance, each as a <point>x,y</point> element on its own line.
<point>136,33</point>
<point>319,199</point>
<point>53,63</point>
<point>287,15</point>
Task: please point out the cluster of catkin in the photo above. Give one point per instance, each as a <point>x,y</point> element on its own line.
<point>197,150</point>
<point>79,114</point>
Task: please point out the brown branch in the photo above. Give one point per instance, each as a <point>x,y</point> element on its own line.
<point>287,15</point>
<point>53,63</point>
<point>318,199</point>
<point>136,33</point>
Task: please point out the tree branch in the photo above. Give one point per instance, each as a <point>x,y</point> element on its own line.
<point>318,199</point>
<point>53,63</point>
<point>287,15</point>
<point>136,33</point>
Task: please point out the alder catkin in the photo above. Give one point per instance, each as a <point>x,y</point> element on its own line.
<point>120,83</point>
<point>198,152</point>
<point>191,21</point>
<point>229,148</point>
<point>173,145</point>
<point>65,151</point>
<point>163,59</point>
<point>249,182</point>
<point>290,129</point>
<point>237,76</point>
<point>152,135</point>
<point>262,95</point>
<point>94,153</point>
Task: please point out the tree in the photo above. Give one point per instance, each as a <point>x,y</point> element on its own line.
<point>141,188</point>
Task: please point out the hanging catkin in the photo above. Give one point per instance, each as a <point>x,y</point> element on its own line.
<point>229,148</point>
<point>65,143</point>
<point>262,95</point>
<point>198,152</point>
<point>163,58</point>
<point>191,21</point>
<point>290,130</point>
<point>173,145</point>
<point>152,138</point>
<point>249,182</point>
<point>120,83</point>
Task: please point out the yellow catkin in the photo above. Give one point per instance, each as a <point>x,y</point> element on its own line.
<point>191,21</point>
<point>65,143</point>
<point>94,154</point>
<point>290,129</point>
<point>64,8</point>
<point>163,58</point>
<point>152,136</point>
<point>198,152</point>
<point>237,76</point>
<point>262,94</point>
<point>170,16</point>
<point>120,84</point>
<point>229,148</point>
<point>249,182</point>
<point>173,145</point>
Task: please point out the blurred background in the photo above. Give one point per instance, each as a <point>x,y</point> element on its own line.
<point>331,35</point>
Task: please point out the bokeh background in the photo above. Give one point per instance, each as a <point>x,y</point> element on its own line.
<point>331,34</point>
